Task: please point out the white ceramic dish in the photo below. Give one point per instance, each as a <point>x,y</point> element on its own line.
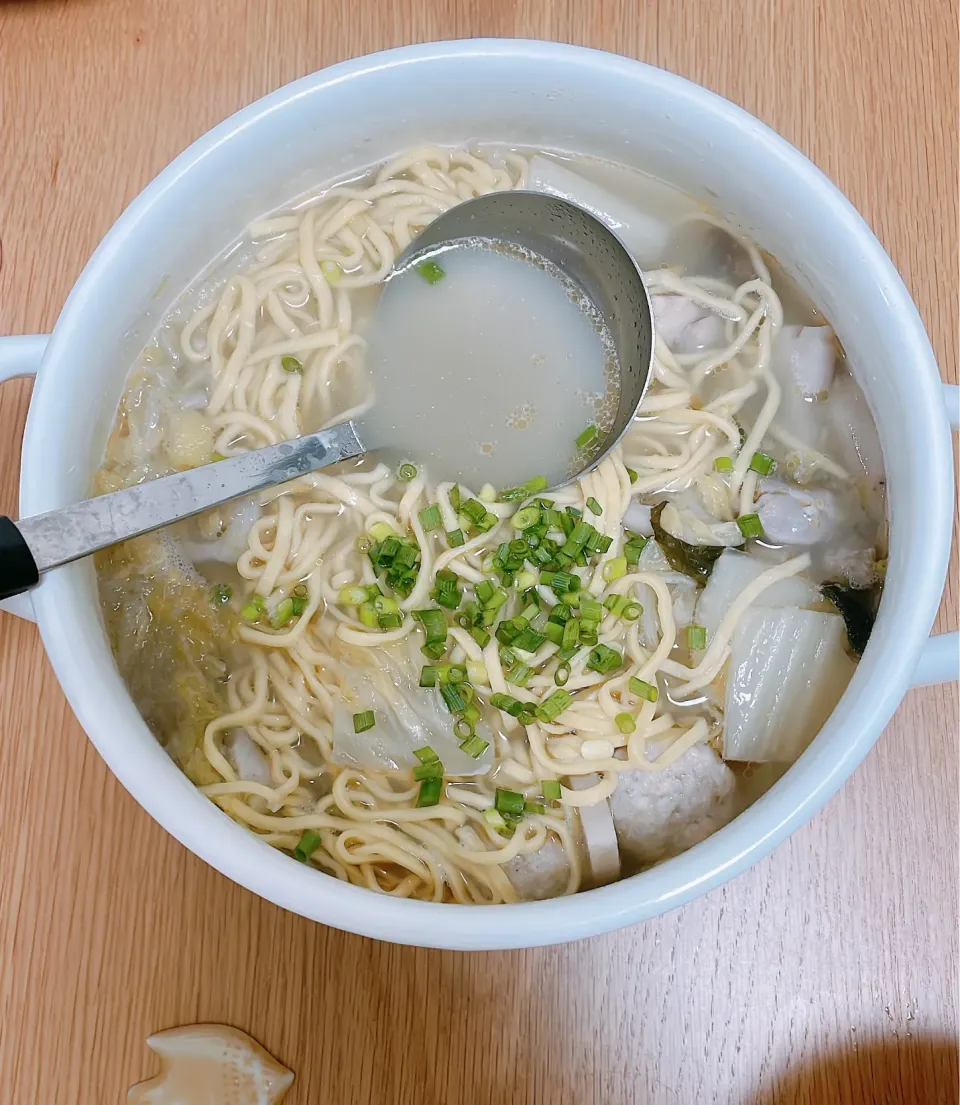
<point>533,93</point>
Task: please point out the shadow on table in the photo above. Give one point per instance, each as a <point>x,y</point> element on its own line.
<point>915,1070</point>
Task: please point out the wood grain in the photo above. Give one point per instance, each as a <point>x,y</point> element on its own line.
<point>826,974</point>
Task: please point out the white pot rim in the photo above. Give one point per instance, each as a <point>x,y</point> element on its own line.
<point>803,790</point>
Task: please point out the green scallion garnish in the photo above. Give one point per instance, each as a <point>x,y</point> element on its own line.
<point>615,568</point>
<point>562,674</point>
<point>625,722</point>
<point>587,437</point>
<point>553,706</point>
<point>428,771</point>
<point>290,364</point>
<point>456,538</point>
<point>309,843</point>
<point>507,703</point>
<point>723,464</point>
<point>525,518</point>
<point>364,721</point>
<point>632,475</point>
<point>534,807</point>
<point>604,659</point>
<point>750,525</point>
<point>593,506</point>
<point>407,472</point>
<point>431,272</point>
<point>452,698</point>
<point>282,614</point>
<point>696,637</point>
<point>430,518</point>
<point>761,463</point>
<point>475,747</point>
<point>426,755</point>
<point>508,801</point>
<point>643,690</point>
<point>550,789</point>
<point>430,791</point>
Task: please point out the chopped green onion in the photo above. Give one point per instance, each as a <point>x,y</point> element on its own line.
<point>625,722</point>
<point>431,272</point>
<point>487,493</point>
<point>529,640</point>
<point>426,755</point>
<point>434,650</point>
<point>562,582</point>
<point>407,472</point>
<point>473,510</point>
<point>696,637</point>
<point>464,729</point>
<point>380,531</point>
<point>723,464</point>
<point>452,698</point>
<point>434,626</point>
<point>253,608</point>
<point>587,437</point>
<point>604,659</point>
<point>562,674</point>
<point>550,789</point>
<point>571,633</point>
<point>220,594</point>
<point>299,605</point>
<point>456,538</point>
<point>216,457</point>
<point>428,771</point>
<point>527,715</point>
<point>480,635</point>
<point>309,843</point>
<point>553,706</point>
<point>534,807</point>
<point>633,548</point>
<point>429,675</point>
<point>632,474</point>
<point>455,497</point>
<point>475,746</point>
<point>525,580</point>
<point>593,506</point>
<point>553,631</point>
<point>493,819</point>
<point>367,613</point>
<point>430,518</point>
<point>615,568</point>
<point>750,525</point>
<point>507,703</point>
<point>761,463</point>
<point>591,610</point>
<point>520,675</point>
<point>525,518</point>
<point>632,611</point>
<point>352,595</point>
<point>391,620</point>
<point>364,721</point>
<point>290,364</point>
<point>643,689</point>
<point>430,791</point>
<point>484,591</point>
<point>508,801</point>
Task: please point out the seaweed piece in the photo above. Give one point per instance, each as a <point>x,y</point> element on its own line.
<point>696,561</point>
<point>858,608</point>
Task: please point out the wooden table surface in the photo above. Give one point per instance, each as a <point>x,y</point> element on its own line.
<point>826,974</point>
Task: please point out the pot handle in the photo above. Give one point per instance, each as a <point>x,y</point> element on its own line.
<point>940,659</point>
<point>21,356</point>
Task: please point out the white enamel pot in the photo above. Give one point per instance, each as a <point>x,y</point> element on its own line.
<point>531,93</point>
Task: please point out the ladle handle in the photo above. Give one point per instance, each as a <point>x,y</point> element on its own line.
<point>34,545</point>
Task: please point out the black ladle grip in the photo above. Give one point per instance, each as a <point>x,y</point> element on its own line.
<point>18,569</point>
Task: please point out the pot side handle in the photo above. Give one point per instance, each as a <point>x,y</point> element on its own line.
<point>940,659</point>
<point>21,356</point>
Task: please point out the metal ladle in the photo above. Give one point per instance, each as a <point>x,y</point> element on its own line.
<point>554,229</point>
